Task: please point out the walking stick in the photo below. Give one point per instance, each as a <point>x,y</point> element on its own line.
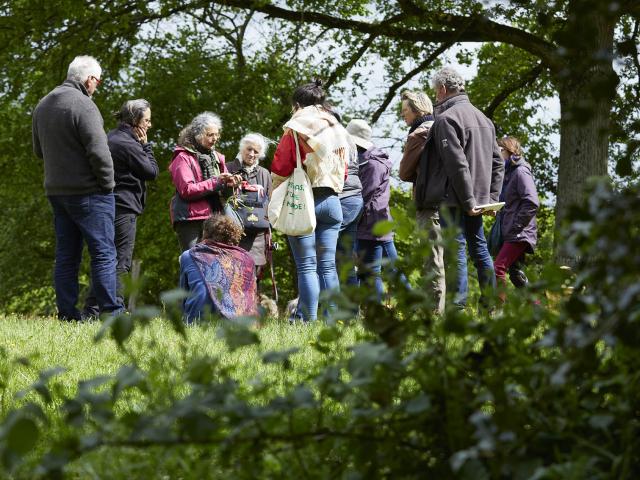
<point>270,247</point>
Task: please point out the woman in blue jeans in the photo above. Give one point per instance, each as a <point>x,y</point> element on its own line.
<point>375,169</point>
<point>325,148</point>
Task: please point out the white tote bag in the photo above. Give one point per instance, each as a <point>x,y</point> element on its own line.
<point>291,208</point>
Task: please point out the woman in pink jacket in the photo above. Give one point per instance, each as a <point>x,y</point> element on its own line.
<point>199,174</point>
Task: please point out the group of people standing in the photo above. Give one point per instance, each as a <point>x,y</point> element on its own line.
<point>456,167</point>
<point>96,186</point>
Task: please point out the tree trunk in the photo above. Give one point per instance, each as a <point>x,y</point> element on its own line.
<point>586,99</point>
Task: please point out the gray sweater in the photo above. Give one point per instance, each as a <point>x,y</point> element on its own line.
<point>68,133</point>
<point>352,184</point>
<point>465,142</point>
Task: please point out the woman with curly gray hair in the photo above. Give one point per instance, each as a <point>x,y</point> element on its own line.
<point>199,174</point>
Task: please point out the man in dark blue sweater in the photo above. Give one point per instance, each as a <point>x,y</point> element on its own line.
<point>68,134</point>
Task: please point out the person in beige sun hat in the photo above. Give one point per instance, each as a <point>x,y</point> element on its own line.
<point>360,132</point>
<point>375,174</point>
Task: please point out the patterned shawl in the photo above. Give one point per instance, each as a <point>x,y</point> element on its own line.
<point>229,274</point>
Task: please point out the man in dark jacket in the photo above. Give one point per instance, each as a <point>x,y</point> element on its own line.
<point>464,144</point>
<point>78,180</point>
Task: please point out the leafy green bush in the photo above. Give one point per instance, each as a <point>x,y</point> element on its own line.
<point>538,391</point>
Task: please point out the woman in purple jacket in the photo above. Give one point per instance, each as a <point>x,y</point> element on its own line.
<point>374,167</point>
<point>519,230</point>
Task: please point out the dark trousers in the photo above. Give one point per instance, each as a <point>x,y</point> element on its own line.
<point>470,231</point>
<point>79,219</point>
<point>125,239</point>
<point>189,233</point>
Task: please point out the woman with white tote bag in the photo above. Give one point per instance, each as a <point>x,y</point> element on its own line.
<point>316,138</point>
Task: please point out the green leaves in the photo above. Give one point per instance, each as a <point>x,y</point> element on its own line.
<point>238,333</point>
<point>41,386</point>
<point>21,435</point>
<point>382,228</point>
<point>282,357</point>
<point>120,327</point>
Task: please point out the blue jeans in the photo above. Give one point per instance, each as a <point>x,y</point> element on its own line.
<point>315,254</point>
<point>347,239</point>
<point>371,252</point>
<point>471,233</point>
<point>78,219</point>
<point>125,238</point>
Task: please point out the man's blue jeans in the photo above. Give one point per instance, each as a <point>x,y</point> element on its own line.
<point>347,239</point>
<point>78,219</point>
<point>471,234</point>
<point>315,254</point>
<point>372,252</point>
<point>124,239</point>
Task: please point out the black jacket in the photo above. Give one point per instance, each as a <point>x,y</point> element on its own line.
<point>464,141</point>
<point>134,164</point>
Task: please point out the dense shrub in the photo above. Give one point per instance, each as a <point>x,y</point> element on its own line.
<point>546,389</point>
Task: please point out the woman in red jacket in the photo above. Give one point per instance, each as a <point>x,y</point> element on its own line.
<point>325,149</point>
<point>199,174</point>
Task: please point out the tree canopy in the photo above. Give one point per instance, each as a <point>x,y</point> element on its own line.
<point>242,59</point>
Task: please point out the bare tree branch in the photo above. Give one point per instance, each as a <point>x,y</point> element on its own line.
<point>475,28</point>
<point>393,90</point>
<point>526,79</point>
<point>346,66</point>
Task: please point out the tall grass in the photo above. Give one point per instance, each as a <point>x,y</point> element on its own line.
<point>29,345</point>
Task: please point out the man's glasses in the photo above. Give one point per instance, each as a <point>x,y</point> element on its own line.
<point>98,81</point>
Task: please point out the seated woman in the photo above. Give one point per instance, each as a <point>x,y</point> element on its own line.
<point>219,275</point>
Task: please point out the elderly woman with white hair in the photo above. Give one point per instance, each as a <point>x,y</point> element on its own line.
<point>252,149</point>
<point>199,174</point>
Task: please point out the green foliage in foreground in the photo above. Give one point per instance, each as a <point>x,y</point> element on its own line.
<point>537,391</point>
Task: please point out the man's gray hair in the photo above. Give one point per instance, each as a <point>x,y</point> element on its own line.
<point>256,139</point>
<point>450,78</point>
<point>83,67</point>
<point>191,134</point>
<point>132,111</point>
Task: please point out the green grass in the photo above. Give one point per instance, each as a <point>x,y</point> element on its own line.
<point>34,344</point>
<point>30,345</point>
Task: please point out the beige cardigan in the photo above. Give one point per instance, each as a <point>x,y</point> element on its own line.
<point>331,146</point>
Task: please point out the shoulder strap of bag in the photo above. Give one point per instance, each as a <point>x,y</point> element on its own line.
<point>298,160</point>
